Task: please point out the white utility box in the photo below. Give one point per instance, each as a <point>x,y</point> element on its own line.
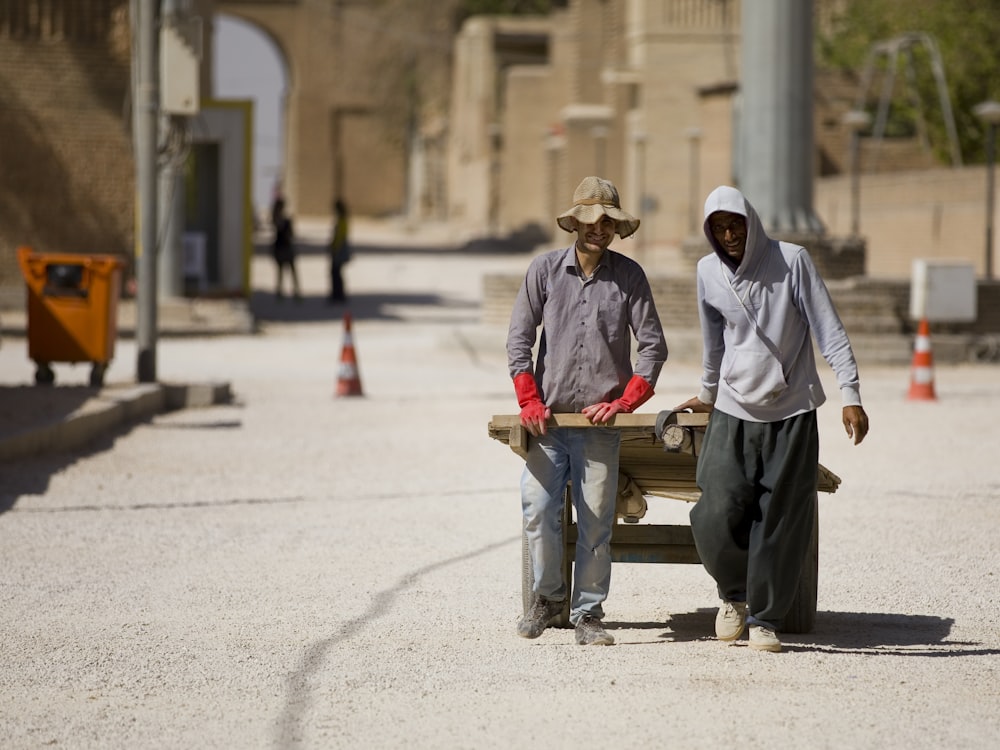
<point>943,291</point>
<point>180,67</point>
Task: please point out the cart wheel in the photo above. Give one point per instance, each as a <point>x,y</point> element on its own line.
<point>528,573</point>
<point>802,615</point>
<point>97,374</point>
<point>44,374</point>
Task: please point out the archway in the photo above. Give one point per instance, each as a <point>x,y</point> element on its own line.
<point>248,64</point>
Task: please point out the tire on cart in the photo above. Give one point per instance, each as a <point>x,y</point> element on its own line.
<point>97,371</point>
<point>528,573</point>
<point>44,374</point>
<point>801,615</point>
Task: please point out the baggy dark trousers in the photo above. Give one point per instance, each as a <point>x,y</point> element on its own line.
<point>753,524</point>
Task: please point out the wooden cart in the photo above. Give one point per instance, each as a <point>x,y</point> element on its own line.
<point>651,467</point>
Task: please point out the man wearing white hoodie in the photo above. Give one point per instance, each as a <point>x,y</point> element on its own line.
<point>761,302</point>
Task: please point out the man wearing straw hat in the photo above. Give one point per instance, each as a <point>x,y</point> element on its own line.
<point>589,301</point>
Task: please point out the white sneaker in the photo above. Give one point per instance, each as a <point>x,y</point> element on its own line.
<point>730,620</point>
<point>764,639</point>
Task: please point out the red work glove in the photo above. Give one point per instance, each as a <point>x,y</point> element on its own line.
<point>534,413</point>
<point>637,392</point>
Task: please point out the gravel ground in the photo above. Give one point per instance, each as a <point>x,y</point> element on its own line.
<point>299,570</point>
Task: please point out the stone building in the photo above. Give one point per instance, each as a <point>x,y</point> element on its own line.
<point>66,170</point>
<point>621,89</point>
<point>68,179</point>
<point>638,91</point>
<point>646,92</point>
<point>489,129</point>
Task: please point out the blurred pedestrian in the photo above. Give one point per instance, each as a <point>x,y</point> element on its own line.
<point>760,302</point>
<point>284,249</point>
<point>340,251</point>
<point>589,301</point>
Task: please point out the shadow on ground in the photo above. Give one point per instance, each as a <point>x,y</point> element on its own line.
<point>266,307</point>
<point>515,243</point>
<point>870,633</point>
<point>24,407</point>
<point>31,476</point>
<point>315,308</point>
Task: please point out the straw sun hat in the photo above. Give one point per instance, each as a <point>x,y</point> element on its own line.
<point>593,198</point>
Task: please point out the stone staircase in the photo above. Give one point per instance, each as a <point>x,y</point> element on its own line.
<point>875,313</point>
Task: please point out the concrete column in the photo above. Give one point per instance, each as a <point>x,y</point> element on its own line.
<point>775,156</point>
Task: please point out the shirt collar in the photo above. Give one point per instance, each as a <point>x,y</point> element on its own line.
<point>570,263</point>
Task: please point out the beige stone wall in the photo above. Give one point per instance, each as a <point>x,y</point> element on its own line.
<point>501,112</point>
<point>675,66</point>
<point>624,84</point>
<point>618,97</point>
<point>346,124</point>
<point>525,193</point>
<point>68,177</point>
<point>66,174</point>
<point>470,149</point>
<point>937,213</point>
<point>626,88</point>
<point>556,123</point>
<point>714,152</point>
<point>592,115</point>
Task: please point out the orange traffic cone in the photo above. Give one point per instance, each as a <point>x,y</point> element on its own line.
<point>348,380</point>
<point>922,370</point>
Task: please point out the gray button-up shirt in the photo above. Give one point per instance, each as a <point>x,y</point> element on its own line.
<point>585,350</point>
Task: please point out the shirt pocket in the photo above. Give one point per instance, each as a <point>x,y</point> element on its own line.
<point>755,376</point>
<point>611,321</point>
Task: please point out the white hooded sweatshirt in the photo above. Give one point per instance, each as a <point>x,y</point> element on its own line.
<point>756,322</point>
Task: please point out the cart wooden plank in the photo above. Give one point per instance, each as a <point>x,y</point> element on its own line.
<point>642,456</point>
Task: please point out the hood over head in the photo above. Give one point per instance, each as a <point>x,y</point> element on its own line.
<point>726,198</point>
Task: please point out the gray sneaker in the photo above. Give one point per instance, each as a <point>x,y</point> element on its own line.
<point>590,632</point>
<point>730,620</point>
<point>537,618</point>
<point>764,639</point>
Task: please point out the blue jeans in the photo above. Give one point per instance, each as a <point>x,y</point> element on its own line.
<point>587,458</point>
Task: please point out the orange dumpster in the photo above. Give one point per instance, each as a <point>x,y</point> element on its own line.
<point>72,310</point>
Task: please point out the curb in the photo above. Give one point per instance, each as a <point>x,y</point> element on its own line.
<point>110,410</point>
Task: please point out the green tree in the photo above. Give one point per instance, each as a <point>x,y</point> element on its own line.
<point>965,32</point>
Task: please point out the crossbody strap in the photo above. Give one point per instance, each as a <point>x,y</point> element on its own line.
<point>751,317</point>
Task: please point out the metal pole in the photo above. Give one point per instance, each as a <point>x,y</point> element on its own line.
<point>856,120</point>
<point>989,112</point>
<point>170,216</point>
<point>855,184</point>
<point>147,115</point>
<point>338,159</point>
<point>694,180</point>
<point>496,145</point>
<point>775,151</point>
<point>639,140</point>
<point>990,159</point>
<point>600,135</point>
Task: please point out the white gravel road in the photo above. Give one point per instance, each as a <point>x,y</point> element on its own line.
<point>298,570</point>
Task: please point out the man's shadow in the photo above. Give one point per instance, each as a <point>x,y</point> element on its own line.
<point>875,633</point>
